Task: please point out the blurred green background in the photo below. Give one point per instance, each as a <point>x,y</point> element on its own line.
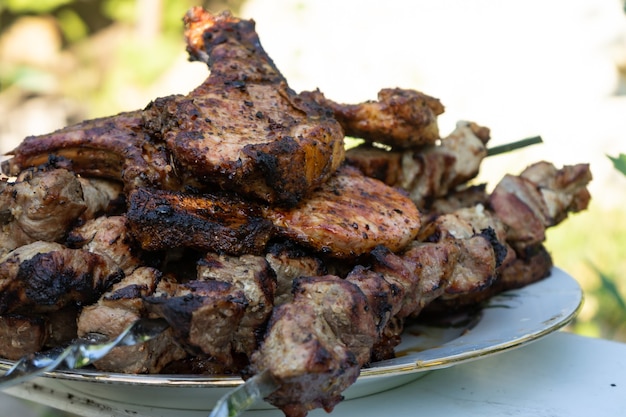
<point>62,61</point>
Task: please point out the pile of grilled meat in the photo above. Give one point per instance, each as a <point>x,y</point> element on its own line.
<point>235,213</point>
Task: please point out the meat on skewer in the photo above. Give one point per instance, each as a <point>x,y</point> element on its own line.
<point>119,307</point>
<point>427,172</point>
<point>463,238</point>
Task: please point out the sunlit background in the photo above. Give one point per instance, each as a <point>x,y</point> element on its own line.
<point>551,68</point>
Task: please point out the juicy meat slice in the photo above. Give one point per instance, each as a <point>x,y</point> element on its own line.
<point>382,295</point>
<point>244,129</point>
<point>107,236</point>
<point>344,307</point>
<point>39,205</point>
<point>254,277</point>
<point>349,215</point>
<point>114,147</point>
<point>214,222</point>
<point>117,309</point>
<point>204,316</point>
<point>400,118</point>
<point>46,276</point>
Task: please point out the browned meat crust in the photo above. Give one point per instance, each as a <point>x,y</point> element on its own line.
<point>114,147</point>
<point>254,277</point>
<point>400,118</point>
<point>348,216</point>
<point>204,316</point>
<point>223,223</point>
<point>45,276</point>
<point>426,173</point>
<point>540,197</point>
<point>244,129</point>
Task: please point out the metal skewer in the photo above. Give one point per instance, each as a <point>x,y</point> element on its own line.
<point>80,353</point>
<point>241,398</point>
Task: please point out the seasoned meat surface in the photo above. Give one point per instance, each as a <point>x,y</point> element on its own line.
<point>114,147</point>
<point>108,236</point>
<point>430,172</point>
<point>400,118</point>
<point>204,316</point>
<point>214,222</point>
<point>244,129</point>
<point>349,215</point>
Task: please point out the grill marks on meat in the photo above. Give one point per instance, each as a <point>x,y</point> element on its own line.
<point>400,118</point>
<point>349,215</point>
<point>161,220</point>
<point>46,276</point>
<point>244,129</point>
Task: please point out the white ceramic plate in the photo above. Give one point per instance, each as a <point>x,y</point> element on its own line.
<point>509,320</point>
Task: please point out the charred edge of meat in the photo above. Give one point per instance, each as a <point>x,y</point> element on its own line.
<point>499,249</point>
<point>163,220</point>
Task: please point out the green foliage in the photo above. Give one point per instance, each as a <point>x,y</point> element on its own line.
<point>619,162</point>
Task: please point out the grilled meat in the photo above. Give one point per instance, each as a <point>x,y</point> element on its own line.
<point>161,220</point>
<point>114,147</point>
<point>540,197</point>
<point>481,240</point>
<point>116,310</point>
<point>290,262</point>
<point>349,215</point>
<point>46,276</point>
<point>307,347</point>
<point>255,278</point>
<point>107,236</point>
<point>400,118</point>
<point>39,205</point>
<point>204,316</point>
<point>430,172</point>
<point>244,129</point>
<point>102,197</point>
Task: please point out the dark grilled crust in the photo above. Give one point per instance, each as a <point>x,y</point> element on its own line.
<point>164,220</point>
<point>114,147</point>
<point>44,277</point>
